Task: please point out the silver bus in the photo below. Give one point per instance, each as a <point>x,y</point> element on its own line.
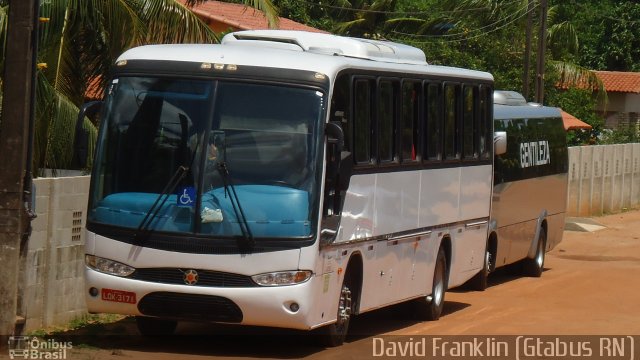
<point>529,187</point>
<point>286,179</point>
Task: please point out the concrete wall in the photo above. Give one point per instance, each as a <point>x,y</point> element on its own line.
<point>54,285</point>
<point>603,179</point>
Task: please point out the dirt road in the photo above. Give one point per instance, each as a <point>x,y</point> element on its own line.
<point>589,286</point>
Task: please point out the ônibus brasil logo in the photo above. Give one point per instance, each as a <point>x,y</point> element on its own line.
<point>30,347</point>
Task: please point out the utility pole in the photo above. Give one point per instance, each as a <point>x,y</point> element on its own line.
<point>15,138</point>
<point>527,51</point>
<point>542,47</point>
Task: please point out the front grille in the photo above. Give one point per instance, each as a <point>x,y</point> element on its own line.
<point>190,307</point>
<point>205,277</point>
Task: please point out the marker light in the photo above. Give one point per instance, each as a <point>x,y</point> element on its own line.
<point>108,266</point>
<point>282,278</point>
<point>121,63</point>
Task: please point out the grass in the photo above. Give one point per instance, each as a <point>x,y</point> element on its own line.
<point>87,332</point>
<point>90,324</point>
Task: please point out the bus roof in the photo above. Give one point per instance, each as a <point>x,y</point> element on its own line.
<point>512,105</point>
<point>323,53</point>
<point>328,44</point>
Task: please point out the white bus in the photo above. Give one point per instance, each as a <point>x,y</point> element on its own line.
<point>530,185</point>
<point>286,179</point>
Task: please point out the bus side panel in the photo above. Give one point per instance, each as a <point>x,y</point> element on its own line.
<point>555,230</point>
<point>517,206</point>
<point>358,210</point>
<point>530,185</point>
<point>379,205</point>
<point>396,210</point>
<point>396,203</point>
<point>467,248</point>
<point>439,196</point>
<point>469,237</point>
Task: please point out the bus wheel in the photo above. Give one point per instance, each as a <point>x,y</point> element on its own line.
<point>479,282</point>
<point>150,326</point>
<point>430,307</point>
<point>335,334</point>
<point>533,267</point>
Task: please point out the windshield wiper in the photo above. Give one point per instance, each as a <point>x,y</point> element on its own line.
<point>180,173</point>
<point>230,189</point>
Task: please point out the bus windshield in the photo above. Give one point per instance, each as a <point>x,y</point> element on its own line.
<point>259,140</point>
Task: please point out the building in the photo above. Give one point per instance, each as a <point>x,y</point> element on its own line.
<point>622,106</point>
<point>224,17</point>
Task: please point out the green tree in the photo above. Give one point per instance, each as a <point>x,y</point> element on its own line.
<point>580,103</point>
<point>80,42</point>
<point>362,18</point>
<point>608,30</point>
<point>306,12</point>
<point>620,43</point>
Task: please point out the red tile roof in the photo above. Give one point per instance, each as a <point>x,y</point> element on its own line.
<point>616,81</point>
<point>242,17</point>
<point>572,123</point>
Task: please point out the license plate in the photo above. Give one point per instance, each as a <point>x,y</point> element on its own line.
<point>119,296</point>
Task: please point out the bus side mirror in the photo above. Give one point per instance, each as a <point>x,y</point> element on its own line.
<point>335,144</point>
<point>335,135</point>
<point>500,142</point>
<point>81,138</point>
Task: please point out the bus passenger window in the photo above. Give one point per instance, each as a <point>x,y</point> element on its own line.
<point>386,112</point>
<point>410,114</point>
<point>433,129</point>
<point>469,127</point>
<point>451,146</point>
<point>362,125</point>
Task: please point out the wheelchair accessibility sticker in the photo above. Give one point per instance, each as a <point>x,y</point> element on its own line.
<point>187,196</point>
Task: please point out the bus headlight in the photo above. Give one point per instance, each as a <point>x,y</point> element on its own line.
<point>281,278</point>
<point>108,266</point>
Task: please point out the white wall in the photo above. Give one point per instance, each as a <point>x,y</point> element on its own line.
<point>603,179</point>
<point>54,284</point>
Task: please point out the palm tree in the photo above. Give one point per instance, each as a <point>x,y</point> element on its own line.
<point>562,43</point>
<point>362,18</point>
<point>79,42</point>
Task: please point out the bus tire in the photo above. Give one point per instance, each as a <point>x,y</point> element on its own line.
<point>534,267</point>
<point>334,335</point>
<point>430,307</point>
<point>480,281</point>
<point>150,326</point>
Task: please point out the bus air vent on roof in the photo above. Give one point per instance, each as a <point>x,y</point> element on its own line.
<point>331,45</point>
<point>502,97</point>
<point>241,36</point>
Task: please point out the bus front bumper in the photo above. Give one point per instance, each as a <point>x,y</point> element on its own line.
<point>259,306</point>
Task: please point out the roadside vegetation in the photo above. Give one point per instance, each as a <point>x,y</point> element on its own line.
<point>89,324</point>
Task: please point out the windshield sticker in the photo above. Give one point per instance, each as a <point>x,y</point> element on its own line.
<point>187,196</point>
